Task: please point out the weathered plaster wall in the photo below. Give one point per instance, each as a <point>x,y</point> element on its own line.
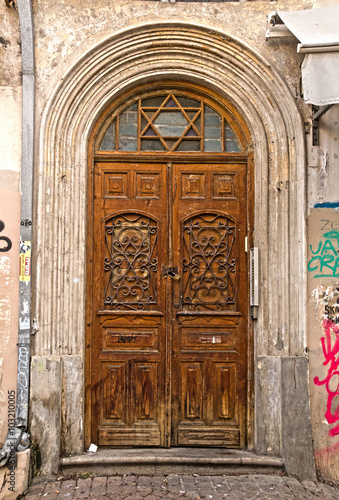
<point>323,287</point>
<point>65,30</point>
<point>323,161</point>
<point>10,156</point>
<point>323,293</point>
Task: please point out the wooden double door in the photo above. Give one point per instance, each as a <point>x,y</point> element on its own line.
<point>170,303</point>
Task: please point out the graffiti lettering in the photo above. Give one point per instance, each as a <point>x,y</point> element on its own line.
<point>332,312</point>
<point>8,242</point>
<point>325,259</point>
<point>126,339</point>
<point>331,381</point>
<point>26,222</point>
<point>23,362</point>
<point>329,224</point>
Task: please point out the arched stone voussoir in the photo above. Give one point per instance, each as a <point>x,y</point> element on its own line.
<point>178,48</point>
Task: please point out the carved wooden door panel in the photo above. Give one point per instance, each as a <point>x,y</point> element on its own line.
<point>210,304</point>
<point>168,359</point>
<point>128,358</point>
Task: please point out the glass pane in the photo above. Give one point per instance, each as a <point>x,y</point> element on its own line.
<point>128,129</point>
<point>170,103</point>
<point>212,117</point>
<point>150,132</point>
<point>197,123</point>
<point>191,133</point>
<point>170,123</point>
<point>187,102</point>
<point>108,142</point>
<point>153,102</point>
<point>149,114</point>
<point>212,145</point>
<point>171,143</point>
<point>149,145</point>
<point>189,146</point>
<point>231,142</point>
<point>212,130</point>
<point>191,114</point>
<point>143,123</point>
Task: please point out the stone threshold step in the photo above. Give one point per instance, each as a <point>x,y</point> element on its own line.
<point>172,461</point>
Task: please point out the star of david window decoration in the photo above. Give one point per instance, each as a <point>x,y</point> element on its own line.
<point>170,123</point>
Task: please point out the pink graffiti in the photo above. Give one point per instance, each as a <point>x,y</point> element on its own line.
<point>329,450</point>
<point>331,355</point>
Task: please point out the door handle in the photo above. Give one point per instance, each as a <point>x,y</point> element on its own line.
<point>172,272</point>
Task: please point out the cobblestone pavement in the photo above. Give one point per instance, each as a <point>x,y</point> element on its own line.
<point>174,487</point>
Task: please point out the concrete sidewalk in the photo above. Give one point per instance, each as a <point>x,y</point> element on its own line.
<point>174,487</point>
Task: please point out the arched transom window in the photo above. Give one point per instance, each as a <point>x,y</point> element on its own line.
<point>171,122</point>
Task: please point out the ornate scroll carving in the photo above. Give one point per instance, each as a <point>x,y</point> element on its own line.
<point>209,270</point>
<point>131,262</point>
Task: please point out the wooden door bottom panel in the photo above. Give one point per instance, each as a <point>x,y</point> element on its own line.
<point>130,436</point>
<point>205,436</point>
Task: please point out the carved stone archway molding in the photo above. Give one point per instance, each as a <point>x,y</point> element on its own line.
<point>210,58</point>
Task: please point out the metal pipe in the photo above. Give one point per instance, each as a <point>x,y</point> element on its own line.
<point>26,212</point>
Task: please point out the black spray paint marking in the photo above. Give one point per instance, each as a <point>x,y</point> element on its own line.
<point>8,242</point>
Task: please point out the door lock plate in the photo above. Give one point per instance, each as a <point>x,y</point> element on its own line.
<point>172,272</point>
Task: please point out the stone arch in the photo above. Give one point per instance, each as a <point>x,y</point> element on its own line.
<point>189,53</point>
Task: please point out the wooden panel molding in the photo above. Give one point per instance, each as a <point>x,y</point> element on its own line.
<point>130,339</point>
<point>193,185</point>
<point>224,396</point>
<point>191,391</point>
<point>115,185</point>
<point>144,381</point>
<point>113,391</point>
<point>203,338</point>
<point>147,185</point>
<point>224,185</point>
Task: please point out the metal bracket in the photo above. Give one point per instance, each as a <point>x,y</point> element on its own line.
<point>254,282</point>
<point>318,112</point>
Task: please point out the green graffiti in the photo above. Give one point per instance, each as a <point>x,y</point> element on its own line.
<point>325,259</point>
